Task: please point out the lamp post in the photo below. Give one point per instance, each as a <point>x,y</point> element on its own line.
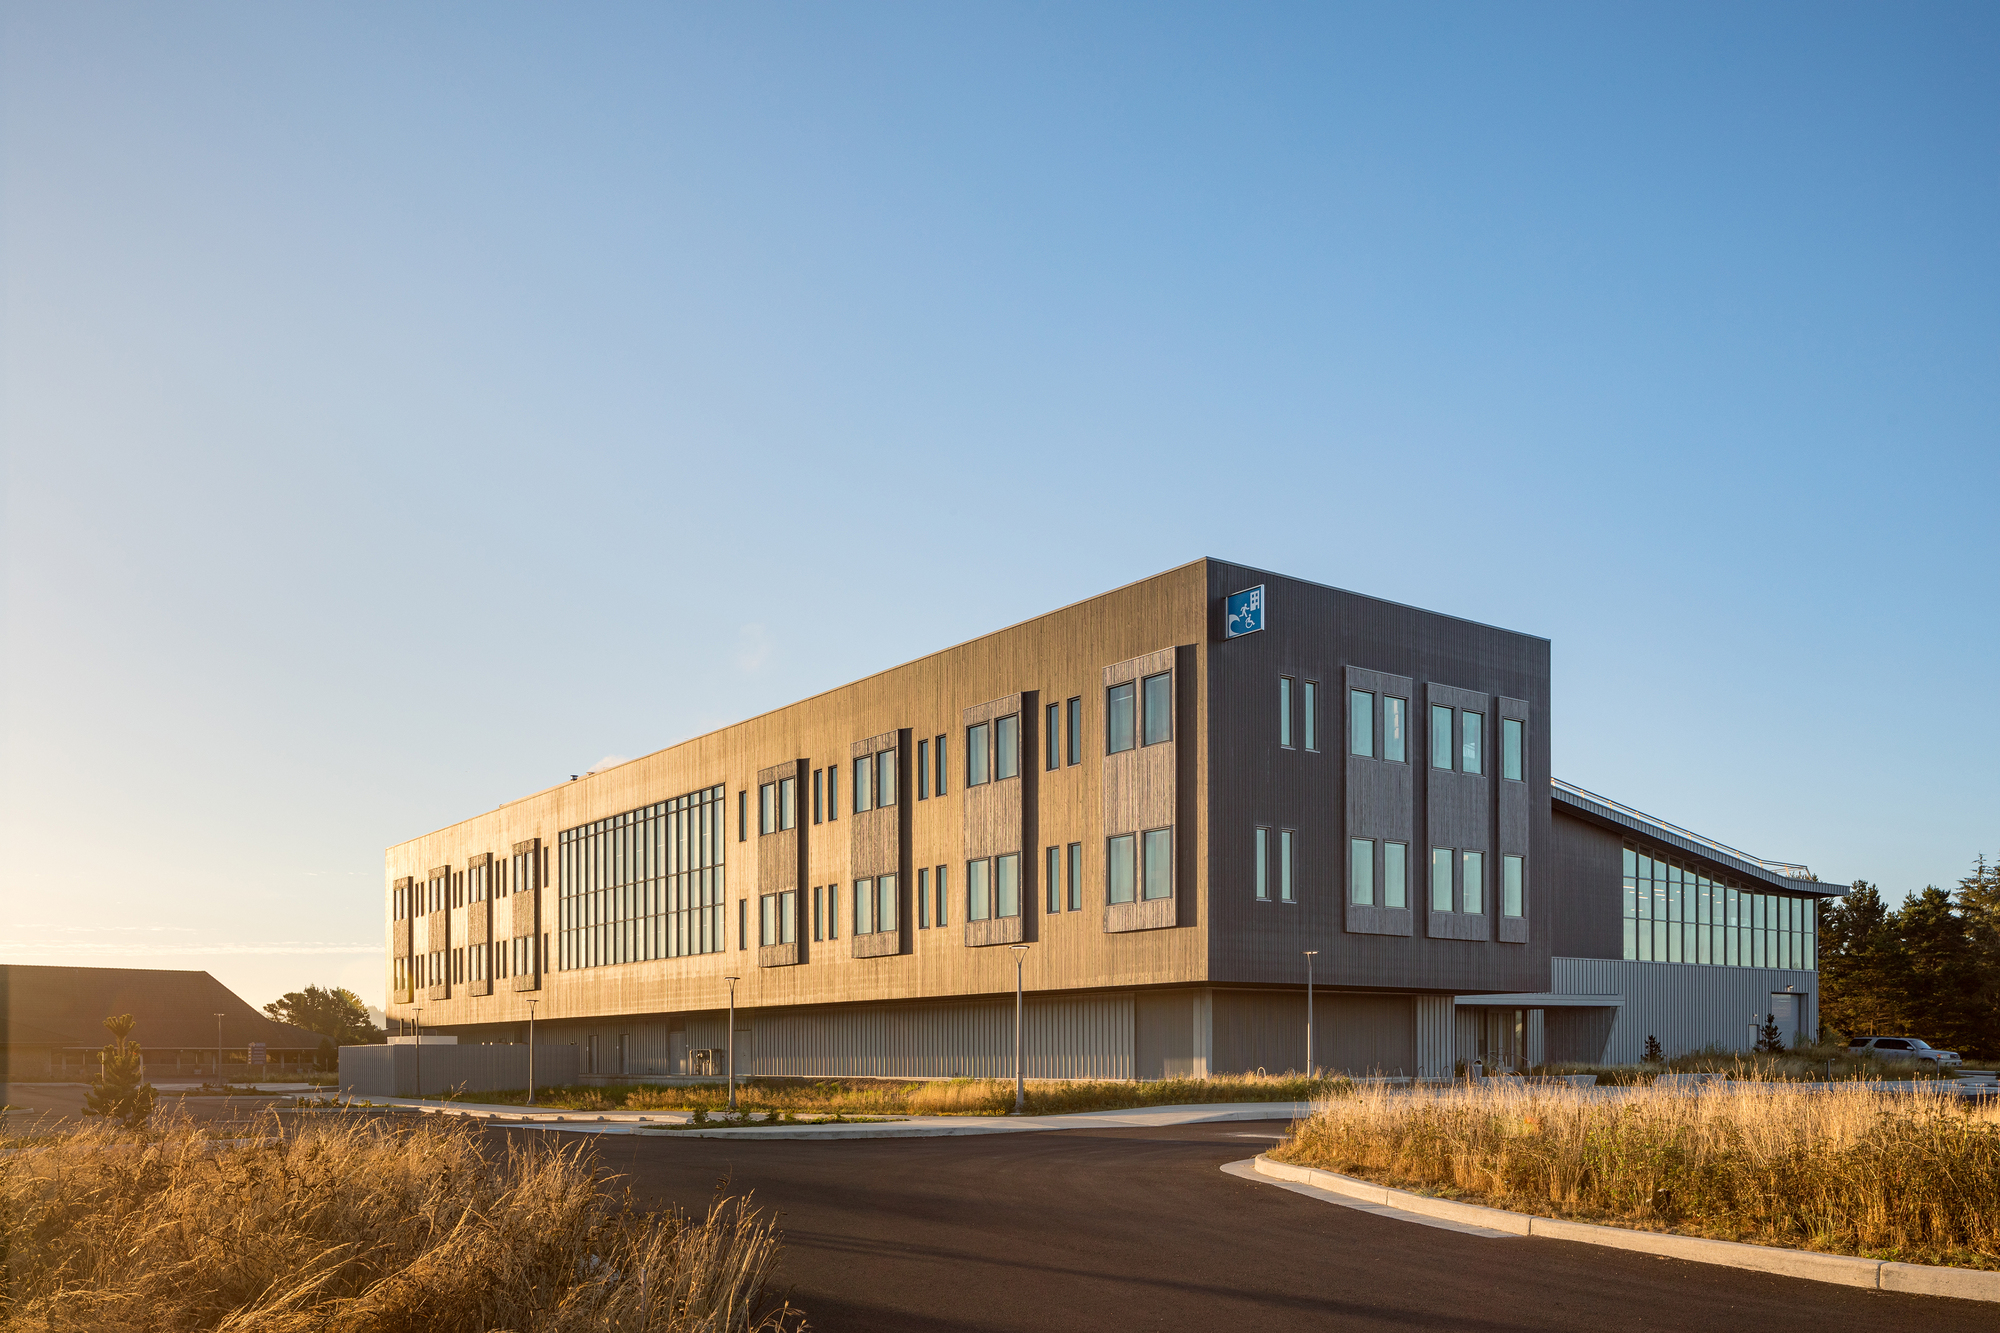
<point>531,1051</point>
<point>1020,1084</point>
<point>730,1047</point>
<point>1309,1011</point>
<point>218,1052</point>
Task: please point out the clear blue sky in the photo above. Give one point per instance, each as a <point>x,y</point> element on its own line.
<point>406,407</point>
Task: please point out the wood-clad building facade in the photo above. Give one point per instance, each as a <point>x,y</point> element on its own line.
<point>1168,794</point>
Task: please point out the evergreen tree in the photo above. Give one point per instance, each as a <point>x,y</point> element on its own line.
<point>1944,990</point>
<point>1770,1041</point>
<point>119,1090</point>
<point>336,1013</point>
<point>1861,966</point>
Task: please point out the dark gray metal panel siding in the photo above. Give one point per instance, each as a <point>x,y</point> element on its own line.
<point>1583,877</point>
<point>1314,633</point>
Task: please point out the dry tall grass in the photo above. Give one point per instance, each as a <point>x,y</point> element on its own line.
<point>357,1227</point>
<point>1912,1176</point>
<point>960,1096</point>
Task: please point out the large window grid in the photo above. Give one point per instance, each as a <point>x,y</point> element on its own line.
<point>1674,914</point>
<point>644,884</point>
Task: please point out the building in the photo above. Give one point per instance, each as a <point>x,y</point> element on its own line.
<point>186,1022</point>
<point>1177,796</point>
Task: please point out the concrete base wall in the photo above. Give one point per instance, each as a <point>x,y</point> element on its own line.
<point>394,1071</point>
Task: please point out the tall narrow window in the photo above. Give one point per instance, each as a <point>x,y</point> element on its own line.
<point>1396,874</point>
<point>1120,723</point>
<point>1159,864</point>
<point>1395,745</point>
<point>1440,879</point>
<point>1007,885</point>
<point>863,770</point>
<point>864,907</point>
<point>1440,736</point>
<point>887,901</point>
<point>1512,875</point>
<point>819,917</point>
<point>767,919</point>
<point>1287,865</point>
<point>742,923</point>
<point>819,794</point>
<point>1007,747</point>
<point>1472,730</point>
<point>975,755</point>
<point>788,803</point>
<point>1076,877</point>
<point>978,892</point>
<point>943,896</point>
<point>1361,871</point>
<point>833,903</point>
<point>1159,708</point>
<point>1261,872</point>
<point>939,791</point>
<point>1474,887</point>
<point>767,808</point>
<point>1285,710</point>
<point>923,770</point>
<point>1512,733</point>
<point>742,816</point>
<point>1074,726</point>
<point>1052,737</point>
<point>1311,717</point>
<point>1361,723</point>
<point>1052,878</point>
<point>1121,868</point>
<point>832,793</point>
<point>923,898</point>
<point>885,779</point>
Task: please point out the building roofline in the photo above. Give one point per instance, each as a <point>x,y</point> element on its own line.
<point>1787,875</point>
<point>1386,601</point>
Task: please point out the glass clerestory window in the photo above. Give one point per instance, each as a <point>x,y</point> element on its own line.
<point>645,884</point>
<point>1673,913</point>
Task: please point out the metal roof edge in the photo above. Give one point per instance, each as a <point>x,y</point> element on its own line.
<point>1616,816</point>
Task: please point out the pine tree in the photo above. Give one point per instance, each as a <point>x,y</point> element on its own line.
<point>1770,1041</point>
<point>119,1091</point>
<point>1943,987</point>
<point>1862,969</point>
<point>1653,1054</point>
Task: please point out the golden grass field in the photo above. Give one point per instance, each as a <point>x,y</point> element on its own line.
<point>1910,1176</point>
<point>349,1225</point>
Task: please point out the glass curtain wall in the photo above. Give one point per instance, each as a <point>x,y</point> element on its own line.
<point>644,884</point>
<point>1674,914</point>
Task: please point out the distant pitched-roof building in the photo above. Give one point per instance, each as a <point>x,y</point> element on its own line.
<point>55,1021</point>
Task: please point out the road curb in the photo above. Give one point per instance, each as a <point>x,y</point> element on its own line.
<point>1966,1284</point>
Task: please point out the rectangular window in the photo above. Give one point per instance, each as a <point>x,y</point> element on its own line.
<point>742,816</point>
<point>1121,724</point>
<point>1159,848</point>
<point>978,892</point>
<point>1440,736</point>
<point>923,770</point>
<point>819,919</point>
<point>1287,865</point>
<point>1512,875</point>
<point>1473,887</point>
<point>940,771</point>
<point>1074,726</point>
<point>1513,732</point>
<point>923,898</point>
<point>1158,710</point>
<point>1121,869</point>
<point>788,804</point>
<point>1396,874</point>
<point>819,794</point>
<point>1361,871</point>
<point>863,769</point>
<point>885,780</point>
<point>1472,731</point>
<point>1441,879</point>
<point>1262,872</point>
<point>888,899</point>
<point>833,903</point>
<point>864,907</point>
<point>767,919</point>
<point>943,917</point>
<point>975,755</point>
<point>1394,743</point>
<point>1361,723</point>
<point>1007,747</point>
<point>1285,711</point>
<point>832,792</point>
<point>1052,877</point>
<point>1007,885</point>
<point>1052,737</point>
<point>1076,877</point>
<point>742,923</point>
<point>1311,718</point>
<point>767,808</point>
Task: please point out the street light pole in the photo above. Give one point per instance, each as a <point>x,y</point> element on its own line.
<point>1309,1011</point>
<point>531,1051</point>
<point>1020,1084</point>
<point>730,1048</point>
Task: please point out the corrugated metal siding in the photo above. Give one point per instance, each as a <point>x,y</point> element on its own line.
<point>1434,1036</point>
<point>1687,1006</point>
<point>1089,1037</point>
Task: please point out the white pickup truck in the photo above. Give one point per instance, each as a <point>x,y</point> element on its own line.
<point>1904,1048</point>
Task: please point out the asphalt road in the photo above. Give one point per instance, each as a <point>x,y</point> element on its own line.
<point>1139,1229</point>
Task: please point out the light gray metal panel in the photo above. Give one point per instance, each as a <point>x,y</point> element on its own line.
<point>1686,1005</point>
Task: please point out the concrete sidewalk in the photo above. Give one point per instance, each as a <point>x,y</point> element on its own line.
<point>898,1127</point>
